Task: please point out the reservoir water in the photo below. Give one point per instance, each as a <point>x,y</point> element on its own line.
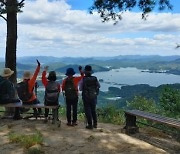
<point>132,76</point>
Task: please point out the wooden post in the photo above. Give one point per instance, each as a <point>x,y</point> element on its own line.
<point>131,127</point>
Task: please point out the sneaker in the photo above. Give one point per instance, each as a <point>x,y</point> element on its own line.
<point>89,127</point>
<point>35,115</point>
<point>94,126</point>
<point>17,117</point>
<point>39,112</point>
<point>74,124</point>
<point>69,124</point>
<point>56,119</point>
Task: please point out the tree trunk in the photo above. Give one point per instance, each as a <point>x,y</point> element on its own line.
<point>11,41</point>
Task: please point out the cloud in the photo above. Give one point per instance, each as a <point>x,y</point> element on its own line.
<point>53,28</point>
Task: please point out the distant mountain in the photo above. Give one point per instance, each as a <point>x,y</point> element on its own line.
<point>96,68</point>
<point>153,62</point>
<point>42,59</point>
<point>77,60</point>
<point>93,60</point>
<point>148,57</point>
<point>26,66</point>
<point>177,60</point>
<point>1,65</point>
<point>49,60</point>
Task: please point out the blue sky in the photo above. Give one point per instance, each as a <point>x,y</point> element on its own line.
<point>80,4</point>
<point>65,28</point>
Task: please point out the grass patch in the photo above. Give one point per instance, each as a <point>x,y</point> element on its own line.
<point>35,151</point>
<point>26,140</point>
<point>2,110</point>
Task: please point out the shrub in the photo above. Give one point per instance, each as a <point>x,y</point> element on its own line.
<point>143,104</point>
<point>110,114</point>
<point>170,102</point>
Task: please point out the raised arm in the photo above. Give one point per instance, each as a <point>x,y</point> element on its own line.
<point>78,78</point>
<point>44,79</point>
<point>33,79</point>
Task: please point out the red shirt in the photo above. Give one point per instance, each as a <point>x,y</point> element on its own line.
<point>75,80</point>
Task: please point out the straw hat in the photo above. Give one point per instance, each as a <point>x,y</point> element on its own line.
<point>27,75</point>
<point>7,72</point>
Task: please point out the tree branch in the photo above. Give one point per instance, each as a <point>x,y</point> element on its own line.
<point>20,3</point>
<point>2,1</point>
<point>3,17</point>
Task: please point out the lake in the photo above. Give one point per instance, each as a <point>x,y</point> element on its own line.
<point>132,76</point>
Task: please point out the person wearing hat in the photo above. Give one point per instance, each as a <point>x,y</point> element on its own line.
<point>31,79</point>
<point>7,90</point>
<point>89,86</point>
<point>52,90</point>
<point>70,89</point>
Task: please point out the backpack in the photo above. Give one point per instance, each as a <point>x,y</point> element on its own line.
<point>3,93</point>
<point>70,91</point>
<point>51,93</point>
<point>90,87</point>
<point>23,92</point>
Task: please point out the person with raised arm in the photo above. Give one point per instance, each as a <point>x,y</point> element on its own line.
<point>70,89</point>
<point>52,91</point>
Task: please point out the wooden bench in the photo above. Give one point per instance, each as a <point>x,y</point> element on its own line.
<point>131,116</point>
<point>20,105</point>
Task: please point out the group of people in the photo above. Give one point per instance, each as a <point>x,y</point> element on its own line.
<point>70,86</point>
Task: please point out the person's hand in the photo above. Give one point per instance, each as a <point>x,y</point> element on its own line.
<point>38,62</point>
<point>46,68</point>
<point>80,68</point>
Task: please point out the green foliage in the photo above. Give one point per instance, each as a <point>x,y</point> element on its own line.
<point>35,151</point>
<point>170,102</point>
<point>80,106</point>
<point>110,114</point>
<point>62,110</point>
<point>113,9</point>
<point>80,110</point>
<point>81,116</point>
<point>14,6</point>
<point>26,140</point>
<point>142,103</point>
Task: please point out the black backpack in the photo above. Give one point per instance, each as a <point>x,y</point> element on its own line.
<point>4,94</point>
<point>51,93</point>
<point>90,87</point>
<point>70,91</point>
<point>23,92</point>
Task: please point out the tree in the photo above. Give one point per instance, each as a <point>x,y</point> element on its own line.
<point>113,9</point>
<point>142,103</point>
<point>10,8</point>
<point>170,102</point>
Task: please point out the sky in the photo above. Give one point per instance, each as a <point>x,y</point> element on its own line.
<point>64,28</point>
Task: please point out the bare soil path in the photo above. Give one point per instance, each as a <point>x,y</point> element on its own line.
<point>106,139</point>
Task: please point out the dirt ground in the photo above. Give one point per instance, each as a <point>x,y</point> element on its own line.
<point>106,139</point>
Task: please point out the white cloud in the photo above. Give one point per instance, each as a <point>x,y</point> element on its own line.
<point>53,28</point>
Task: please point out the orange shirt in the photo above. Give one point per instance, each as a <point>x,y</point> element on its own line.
<point>45,81</point>
<point>75,80</point>
<point>31,84</point>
